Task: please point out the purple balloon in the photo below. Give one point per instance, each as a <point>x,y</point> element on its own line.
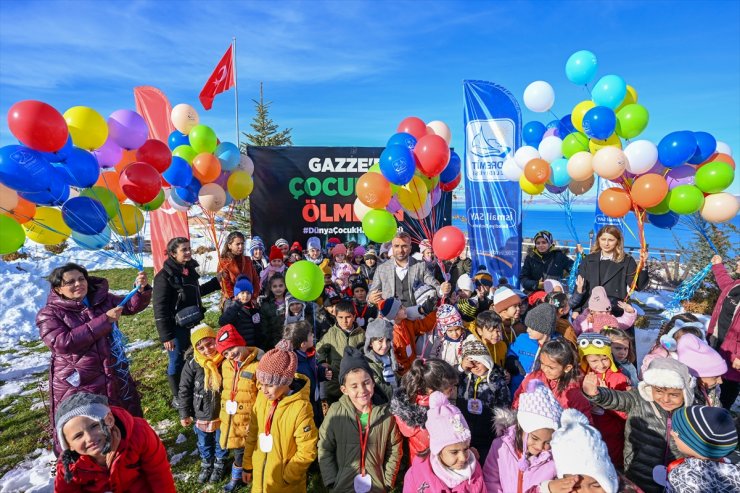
<point>222,179</point>
<point>108,154</point>
<point>127,128</point>
<point>393,206</point>
<point>436,195</point>
<point>680,175</point>
<point>657,169</point>
<point>555,190</point>
<point>551,132</point>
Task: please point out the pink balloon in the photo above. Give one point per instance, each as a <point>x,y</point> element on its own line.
<point>108,154</point>
<point>680,175</point>
<point>414,126</point>
<point>393,206</point>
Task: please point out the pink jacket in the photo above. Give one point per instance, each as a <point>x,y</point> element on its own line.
<point>729,347</point>
<point>501,471</point>
<point>571,397</point>
<point>421,478</point>
<point>581,323</point>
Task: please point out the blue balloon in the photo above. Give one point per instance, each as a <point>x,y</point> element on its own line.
<point>61,155</point>
<point>402,139</point>
<point>228,154</point>
<point>559,172</point>
<point>663,221</point>
<point>599,122</point>
<point>80,169</point>
<point>24,169</point>
<point>177,196</point>
<point>609,91</point>
<point>179,174</point>
<point>194,186</point>
<point>706,145</point>
<point>56,194</point>
<point>581,67</point>
<point>85,215</point>
<point>92,242</point>
<point>177,139</point>
<point>566,125</point>
<point>533,132</point>
<point>676,148</point>
<point>451,170</point>
<point>397,164</point>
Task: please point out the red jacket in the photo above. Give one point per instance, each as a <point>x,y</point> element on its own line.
<point>140,464</point>
<point>611,423</point>
<point>404,339</point>
<point>729,348</point>
<point>570,398</point>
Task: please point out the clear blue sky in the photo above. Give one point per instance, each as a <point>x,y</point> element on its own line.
<point>346,72</point>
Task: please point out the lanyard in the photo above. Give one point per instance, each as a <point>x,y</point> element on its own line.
<point>235,382</point>
<point>357,314</point>
<point>707,399</point>
<point>478,380</point>
<point>268,424</point>
<point>363,439</point>
<point>668,428</point>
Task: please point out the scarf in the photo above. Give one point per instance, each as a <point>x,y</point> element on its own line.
<point>453,477</point>
<point>212,380</point>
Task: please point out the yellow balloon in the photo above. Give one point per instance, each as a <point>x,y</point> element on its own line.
<point>128,221</point>
<point>596,144</point>
<point>87,127</point>
<point>240,185</point>
<point>429,182</point>
<point>629,98</point>
<point>412,195</point>
<point>529,187</point>
<point>47,227</point>
<point>579,111</point>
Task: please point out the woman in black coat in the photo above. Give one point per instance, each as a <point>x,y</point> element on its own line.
<point>543,262</point>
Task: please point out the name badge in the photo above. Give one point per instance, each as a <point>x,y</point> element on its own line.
<point>475,406</point>
<point>360,321</point>
<point>660,475</point>
<point>265,442</point>
<point>231,407</point>
<point>256,318</point>
<point>408,350</point>
<point>363,484</point>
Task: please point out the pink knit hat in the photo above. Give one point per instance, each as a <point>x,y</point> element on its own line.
<point>599,301</point>
<point>339,250</point>
<point>445,423</point>
<point>702,360</point>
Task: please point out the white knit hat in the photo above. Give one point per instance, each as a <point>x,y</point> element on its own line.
<point>538,408</point>
<point>465,282</point>
<point>577,448</point>
<point>668,373</point>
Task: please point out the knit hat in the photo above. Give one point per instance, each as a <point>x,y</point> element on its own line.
<point>359,251</point>
<point>702,360</point>
<point>360,283</point>
<point>667,373</point>
<point>278,365</point>
<point>371,253</point>
<point>708,431</point>
<point>91,406</point>
<point>445,423</point>
<point>378,328</point>
<point>313,242</point>
<point>602,320</point>
<point>227,338</point>
<point>465,282</point>
<point>423,292</point>
<point>389,308</point>
<point>542,318</point>
<point>536,298</point>
<point>474,349</point>
<point>201,332</point>
<point>599,301</point>
<point>468,308</point>
<point>296,247</point>
<point>275,253</point>
<point>538,408</point>
<point>281,241</point>
<point>242,284</point>
<point>550,284</point>
<point>592,343</point>
<point>385,248</point>
<point>543,234</point>
<point>448,316</point>
<point>424,245</point>
<point>255,244</point>
<point>504,298</point>
<point>483,277</point>
<point>578,449</point>
<point>339,250</point>
<point>352,359</point>
<point>332,242</point>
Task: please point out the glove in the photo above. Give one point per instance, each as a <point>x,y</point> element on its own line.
<point>428,306</point>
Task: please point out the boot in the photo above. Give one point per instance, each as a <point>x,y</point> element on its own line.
<point>174,381</point>
<point>236,480</point>
<point>218,470</point>
<point>205,471</point>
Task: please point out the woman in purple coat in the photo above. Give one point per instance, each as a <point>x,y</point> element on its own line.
<point>76,324</point>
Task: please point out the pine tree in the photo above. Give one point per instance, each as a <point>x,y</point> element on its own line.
<point>265,130</point>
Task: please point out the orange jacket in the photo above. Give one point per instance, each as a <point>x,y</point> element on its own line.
<point>404,339</point>
<point>235,267</point>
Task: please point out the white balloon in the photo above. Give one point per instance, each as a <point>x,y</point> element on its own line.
<point>511,170</point>
<point>177,206</point>
<point>440,128</point>
<point>551,148</point>
<point>723,148</point>
<point>525,154</point>
<point>641,156</point>
<point>539,96</point>
<point>246,164</point>
<point>361,209</point>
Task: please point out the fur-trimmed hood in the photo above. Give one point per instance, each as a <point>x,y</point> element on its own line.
<point>503,418</point>
<point>412,414</point>
<point>667,373</point>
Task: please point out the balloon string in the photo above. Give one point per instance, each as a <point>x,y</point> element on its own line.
<point>640,214</point>
<point>686,290</point>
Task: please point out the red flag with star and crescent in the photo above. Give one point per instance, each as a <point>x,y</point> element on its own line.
<point>222,79</point>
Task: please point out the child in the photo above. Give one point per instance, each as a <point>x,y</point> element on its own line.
<point>669,335</point>
<point>379,354</point>
<point>301,339</point>
<point>481,387</point>
<point>242,314</point>
<point>363,310</point>
<point>465,287</point>
<point>257,252</point>
<point>623,352</point>
<point>598,314</point>
<point>489,329</point>
<point>93,434</point>
<point>237,396</point>
<point>706,436</point>
<point>507,304</point>
<point>560,301</point>
<point>405,331</point>
<point>706,365</point>
<point>330,348</point>
<point>448,346</point>
<point>595,354</point>
<point>284,247</point>
<point>340,268</point>
<point>358,257</point>
<point>282,437</point>
<point>411,399</point>
<point>449,464</point>
<point>295,309</point>
<point>331,291</point>
<point>272,312</point>
<point>667,386</point>
<point>200,400</point>
<point>483,282</point>
<point>360,447</point>
<point>369,264</point>
<point>313,251</point>
<point>277,265</point>
<point>523,353</point>
<point>522,449</point>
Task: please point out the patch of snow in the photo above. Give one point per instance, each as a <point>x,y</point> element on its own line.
<point>163,426</point>
<point>11,388</point>
<point>653,300</point>
<point>38,405</point>
<point>644,340</point>
<point>177,458</point>
<point>136,345</point>
<point>23,364</point>
<point>181,438</point>
<point>32,475</point>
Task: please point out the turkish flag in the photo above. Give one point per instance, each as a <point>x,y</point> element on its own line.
<point>222,79</point>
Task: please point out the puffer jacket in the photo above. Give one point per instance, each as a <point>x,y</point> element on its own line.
<point>81,358</point>
<point>570,398</point>
<point>139,464</point>
<point>294,436</point>
<point>421,477</point>
<point>339,447</point>
<point>330,349</point>
<point>553,264</point>
<point>243,318</point>
<point>236,266</point>
<point>195,400</point>
<point>692,475</point>
<point>411,420</point>
<point>501,468</point>
<point>272,321</point>
<point>243,390</point>
<point>404,339</point>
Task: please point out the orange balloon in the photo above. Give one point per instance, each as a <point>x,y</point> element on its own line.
<point>615,202</point>
<point>649,190</point>
<point>23,212</point>
<point>128,157</point>
<point>721,158</point>
<point>374,190</point>
<point>537,171</point>
<point>206,167</point>
<point>109,180</point>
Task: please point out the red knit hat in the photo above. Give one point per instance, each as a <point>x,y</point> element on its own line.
<point>227,338</point>
<point>278,366</point>
<point>296,246</point>
<point>275,253</point>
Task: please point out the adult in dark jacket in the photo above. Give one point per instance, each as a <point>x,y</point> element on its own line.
<point>176,287</point>
<point>76,324</point>
<point>543,262</point>
<point>457,267</point>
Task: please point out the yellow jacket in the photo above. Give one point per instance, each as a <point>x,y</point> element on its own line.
<point>234,427</point>
<point>497,351</point>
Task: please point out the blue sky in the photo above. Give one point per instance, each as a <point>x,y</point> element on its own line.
<point>346,72</point>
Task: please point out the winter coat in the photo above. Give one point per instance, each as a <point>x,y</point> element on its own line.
<point>385,279</point>
<point>173,291</point>
<point>421,477</point>
<point>340,272</point>
<point>234,427</point>
<point>404,339</point>
<point>521,358</point>
<point>501,468</point>
<point>233,267</point>
<point>272,321</point>
<point>611,423</point>
<point>411,420</point>
<point>376,365</point>
<point>629,371</point>
<point>339,447</point>
<point>449,350</point>
<point>624,322</point>
<point>243,318</point>
<point>553,264</point>
<point>81,357</point>
<point>367,272</point>
<point>570,398</point>
<point>617,276</point>
<point>294,436</point>
<point>692,475</point>
<point>330,349</point>
<point>496,351</point>
<point>566,331</point>
<point>707,397</point>
<point>458,267</point>
<point>139,464</point>
<point>195,400</point>
<point>726,340</point>
<point>308,366</point>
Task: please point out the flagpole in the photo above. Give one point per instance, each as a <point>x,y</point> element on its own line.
<point>236,90</point>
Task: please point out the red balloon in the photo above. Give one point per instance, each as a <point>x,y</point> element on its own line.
<point>156,153</point>
<point>414,126</point>
<point>38,125</point>
<point>450,186</point>
<point>448,243</point>
<point>432,155</point>
<point>140,182</point>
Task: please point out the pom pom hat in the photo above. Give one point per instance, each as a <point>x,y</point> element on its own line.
<point>242,284</point>
<point>445,423</point>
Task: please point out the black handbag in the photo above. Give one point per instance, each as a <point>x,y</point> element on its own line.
<point>189,316</point>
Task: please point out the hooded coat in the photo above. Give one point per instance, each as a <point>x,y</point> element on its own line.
<point>330,349</point>
<point>411,419</point>
<point>553,264</point>
<point>421,477</point>
<point>242,388</point>
<point>195,400</point>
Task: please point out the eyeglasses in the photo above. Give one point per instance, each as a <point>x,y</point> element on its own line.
<point>72,282</point>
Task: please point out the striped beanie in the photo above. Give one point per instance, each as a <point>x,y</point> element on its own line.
<point>483,277</point>
<point>256,244</point>
<point>708,431</point>
<point>448,316</point>
<point>389,308</point>
<point>504,298</point>
<point>278,365</point>
<point>468,308</point>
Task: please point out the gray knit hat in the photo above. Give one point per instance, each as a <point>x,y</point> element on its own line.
<point>542,318</point>
<point>377,328</point>
<point>91,406</point>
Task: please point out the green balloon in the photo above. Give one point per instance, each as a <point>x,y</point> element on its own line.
<point>203,139</point>
<point>185,152</point>
<point>379,225</point>
<point>153,205</point>
<point>685,199</point>
<point>429,182</point>
<point>105,197</point>
<point>573,143</point>
<point>661,208</point>
<point>632,120</point>
<point>375,168</point>
<point>714,177</point>
<point>12,235</point>
<point>305,280</point>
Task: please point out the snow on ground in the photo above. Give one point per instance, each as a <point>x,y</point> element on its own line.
<point>655,300</point>
<point>32,475</point>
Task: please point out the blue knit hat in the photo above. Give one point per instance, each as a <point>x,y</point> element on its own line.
<point>708,431</point>
<point>255,244</point>
<point>313,242</point>
<point>242,284</point>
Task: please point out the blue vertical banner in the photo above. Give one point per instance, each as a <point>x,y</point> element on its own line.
<point>601,219</point>
<point>493,128</point>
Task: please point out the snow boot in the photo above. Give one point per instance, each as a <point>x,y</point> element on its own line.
<point>174,381</point>
<point>218,470</point>
<point>236,480</point>
<point>205,471</point>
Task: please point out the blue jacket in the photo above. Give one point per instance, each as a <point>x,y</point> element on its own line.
<point>308,366</point>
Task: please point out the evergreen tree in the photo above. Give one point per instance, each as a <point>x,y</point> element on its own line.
<point>265,130</point>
